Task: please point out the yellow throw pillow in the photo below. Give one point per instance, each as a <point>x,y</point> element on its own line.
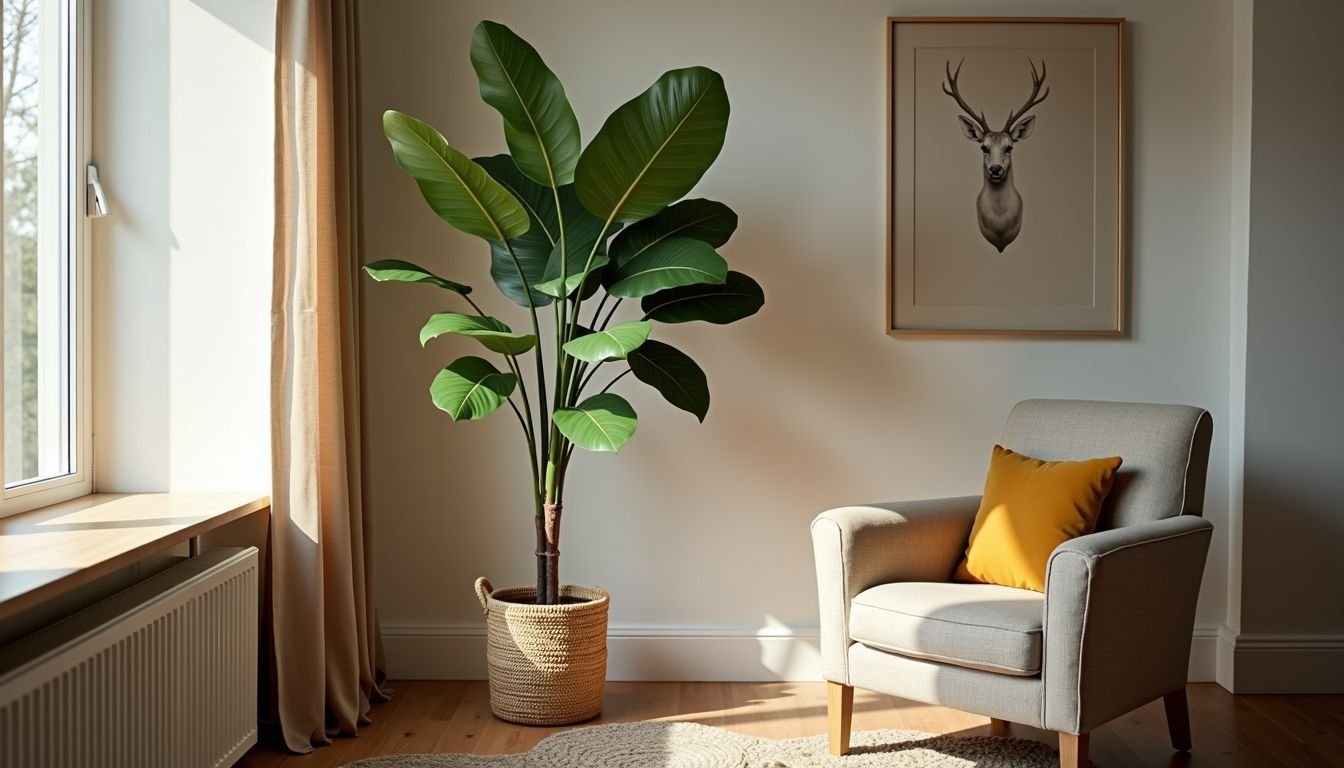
<point>1029,508</point>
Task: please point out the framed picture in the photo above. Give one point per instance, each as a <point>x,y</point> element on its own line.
<point>1005,176</point>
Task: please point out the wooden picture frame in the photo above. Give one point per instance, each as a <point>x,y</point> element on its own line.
<point>1031,270</point>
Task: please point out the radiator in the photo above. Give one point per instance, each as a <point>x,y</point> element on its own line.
<point>161,675</point>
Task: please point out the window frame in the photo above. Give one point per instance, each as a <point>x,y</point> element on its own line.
<point>41,493</point>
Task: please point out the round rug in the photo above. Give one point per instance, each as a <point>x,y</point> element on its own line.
<point>689,745</point>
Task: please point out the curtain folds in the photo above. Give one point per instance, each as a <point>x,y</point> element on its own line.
<point>325,649</point>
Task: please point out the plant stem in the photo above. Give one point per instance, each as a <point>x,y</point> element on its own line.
<point>551,533</point>
<point>607,321</point>
<point>536,331</point>
<point>528,430</point>
<point>612,383</point>
<point>584,384</point>
<point>598,311</point>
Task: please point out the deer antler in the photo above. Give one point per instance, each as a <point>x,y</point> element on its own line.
<point>1036,81</point>
<point>950,88</point>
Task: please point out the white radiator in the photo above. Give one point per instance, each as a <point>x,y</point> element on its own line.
<point>161,675</point>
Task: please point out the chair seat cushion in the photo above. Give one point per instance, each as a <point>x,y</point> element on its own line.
<point>981,626</point>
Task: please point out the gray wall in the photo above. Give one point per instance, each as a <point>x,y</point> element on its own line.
<point>1293,551</point>
<point>702,530</point>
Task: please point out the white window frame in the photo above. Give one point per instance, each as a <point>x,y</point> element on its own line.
<point>22,498</point>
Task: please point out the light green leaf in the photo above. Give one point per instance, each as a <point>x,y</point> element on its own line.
<point>674,374</point>
<point>706,220</point>
<point>397,271</point>
<point>613,343</point>
<point>654,148</point>
<point>457,189</point>
<point>668,264</point>
<point>738,297</point>
<point>602,422</point>
<point>539,124</point>
<point>471,388</point>
<point>491,333</point>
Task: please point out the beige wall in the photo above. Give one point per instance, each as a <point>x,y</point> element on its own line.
<point>1292,610</point>
<point>701,530</point>
<point>182,135</point>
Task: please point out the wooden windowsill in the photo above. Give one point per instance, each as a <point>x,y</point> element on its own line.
<point>52,550</point>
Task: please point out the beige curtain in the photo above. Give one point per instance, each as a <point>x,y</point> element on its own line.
<point>326,655</point>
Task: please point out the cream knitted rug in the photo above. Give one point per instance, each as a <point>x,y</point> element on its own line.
<point>688,745</point>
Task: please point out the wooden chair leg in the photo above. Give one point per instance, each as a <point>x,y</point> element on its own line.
<point>839,709</point>
<point>1178,720</point>
<point>998,727</point>
<point>1073,751</point>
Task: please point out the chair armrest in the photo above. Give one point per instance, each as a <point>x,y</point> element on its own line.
<point>1119,614</point>
<point>860,547</point>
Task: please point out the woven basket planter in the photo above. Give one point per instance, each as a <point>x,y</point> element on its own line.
<point>548,663</point>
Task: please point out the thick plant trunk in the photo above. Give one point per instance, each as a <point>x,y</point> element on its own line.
<point>541,557</point>
<point>551,534</point>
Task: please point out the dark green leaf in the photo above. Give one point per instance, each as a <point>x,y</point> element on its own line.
<point>602,422</point>
<point>581,233</point>
<point>533,247</point>
<point>738,297</point>
<point>539,125</point>
<point>397,271</point>
<point>459,190</point>
<point>705,220</point>
<point>471,388</point>
<point>668,264</point>
<point>654,148</point>
<point>491,333</point>
<point>668,370</point>
<point>613,343</point>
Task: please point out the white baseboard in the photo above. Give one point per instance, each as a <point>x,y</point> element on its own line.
<point>720,653</point>
<point>1288,664</point>
<point>1204,654</point>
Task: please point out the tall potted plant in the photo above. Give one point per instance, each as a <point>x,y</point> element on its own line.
<point>576,233</point>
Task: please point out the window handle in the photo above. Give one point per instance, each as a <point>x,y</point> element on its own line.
<point>98,204</point>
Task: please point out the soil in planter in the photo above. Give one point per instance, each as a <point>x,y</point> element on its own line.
<point>564,600</point>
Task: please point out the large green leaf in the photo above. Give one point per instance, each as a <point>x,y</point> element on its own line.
<point>539,125</point>
<point>668,370</point>
<point>398,271</point>
<point>738,297</point>
<point>533,248</point>
<point>668,264</point>
<point>459,190</point>
<point>699,219</point>
<point>471,388</point>
<point>613,343</point>
<point>491,333</point>
<point>655,147</point>
<point>602,422</point>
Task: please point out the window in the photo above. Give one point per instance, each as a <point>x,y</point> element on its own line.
<point>45,451</point>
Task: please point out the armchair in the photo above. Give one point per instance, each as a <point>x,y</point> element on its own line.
<point>1112,630</point>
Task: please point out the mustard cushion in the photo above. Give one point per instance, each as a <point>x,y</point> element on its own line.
<point>1030,507</point>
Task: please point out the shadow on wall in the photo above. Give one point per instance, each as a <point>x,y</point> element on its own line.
<point>255,19</point>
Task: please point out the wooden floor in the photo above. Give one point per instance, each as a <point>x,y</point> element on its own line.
<point>449,716</point>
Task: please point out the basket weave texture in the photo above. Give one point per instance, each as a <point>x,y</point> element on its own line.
<point>548,663</point>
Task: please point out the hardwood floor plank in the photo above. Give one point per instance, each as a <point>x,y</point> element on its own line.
<point>467,721</point>
<point>1228,731</point>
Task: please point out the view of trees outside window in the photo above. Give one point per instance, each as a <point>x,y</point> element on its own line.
<point>36,258</point>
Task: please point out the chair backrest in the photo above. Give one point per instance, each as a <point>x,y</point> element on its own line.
<point>1165,449</point>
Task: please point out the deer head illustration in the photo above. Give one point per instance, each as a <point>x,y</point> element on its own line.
<point>998,206</point>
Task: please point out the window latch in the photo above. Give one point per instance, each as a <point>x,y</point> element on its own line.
<point>97,206</point>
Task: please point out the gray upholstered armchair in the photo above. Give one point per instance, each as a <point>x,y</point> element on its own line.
<point>1112,631</point>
